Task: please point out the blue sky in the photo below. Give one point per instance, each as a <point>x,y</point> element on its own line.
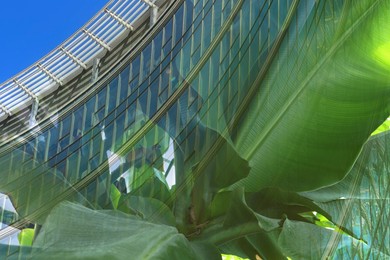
<point>31,29</point>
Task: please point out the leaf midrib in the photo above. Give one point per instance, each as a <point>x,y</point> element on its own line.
<point>263,136</point>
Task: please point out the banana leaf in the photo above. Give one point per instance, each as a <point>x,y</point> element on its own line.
<point>360,202</point>
<point>72,231</point>
<point>325,91</point>
<point>312,99</point>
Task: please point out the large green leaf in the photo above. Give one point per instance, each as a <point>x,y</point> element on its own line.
<point>153,187</point>
<point>242,231</point>
<point>148,209</point>
<point>279,204</point>
<point>75,232</point>
<point>258,224</point>
<point>300,240</point>
<point>322,90</point>
<point>324,93</point>
<point>223,169</point>
<point>360,202</point>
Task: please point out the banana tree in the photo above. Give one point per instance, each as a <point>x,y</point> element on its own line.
<point>272,163</point>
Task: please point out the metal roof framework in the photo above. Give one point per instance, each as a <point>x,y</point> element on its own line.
<point>100,35</point>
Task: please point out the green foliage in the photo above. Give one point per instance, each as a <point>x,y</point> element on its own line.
<point>308,121</point>
<point>231,257</point>
<point>90,234</point>
<point>154,136</point>
<point>34,188</point>
<point>26,237</point>
<point>148,209</point>
<point>115,195</point>
<point>383,127</point>
<point>362,197</point>
<point>275,185</point>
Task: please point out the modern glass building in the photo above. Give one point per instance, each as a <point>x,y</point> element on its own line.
<point>185,105</point>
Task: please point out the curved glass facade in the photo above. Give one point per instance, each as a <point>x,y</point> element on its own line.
<point>137,99</point>
<point>171,112</point>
